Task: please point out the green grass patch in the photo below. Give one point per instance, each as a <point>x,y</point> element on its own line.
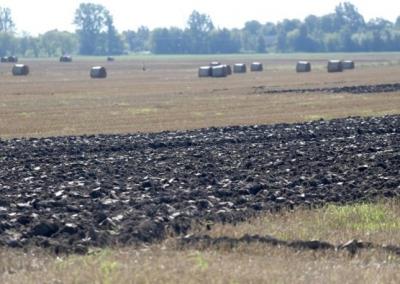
<point>377,222</point>
<point>364,218</point>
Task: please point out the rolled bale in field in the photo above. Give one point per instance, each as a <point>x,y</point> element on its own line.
<point>110,59</point>
<point>20,70</point>
<point>335,66</point>
<point>256,67</point>
<point>228,69</point>
<point>205,71</point>
<point>214,63</point>
<point>66,58</point>
<point>303,66</point>
<point>348,65</point>
<point>12,59</point>
<point>98,72</point>
<point>219,71</point>
<point>4,59</point>
<point>239,68</point>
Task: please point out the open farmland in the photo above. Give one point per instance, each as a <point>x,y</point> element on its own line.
<point>114,187</point>
<point>61,99</point>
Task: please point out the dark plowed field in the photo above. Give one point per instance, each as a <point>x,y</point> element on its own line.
<point>357,90</point>
<point>70,193</point>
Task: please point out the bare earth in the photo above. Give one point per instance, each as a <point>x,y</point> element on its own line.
<point>61,99</point>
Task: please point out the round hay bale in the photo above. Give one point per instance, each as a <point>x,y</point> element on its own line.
<point>335,66</point>
<point>12,59</point>
<point>4,59</point>
<point>66,58</point>
<point>20,70</point>
<point>219,71</point>
<point>205,71</point>
<point>110,59</point>
<point>215,63</point>
<point>228,69</point>
<point>303,66</point>
<point>348,65</point>
<point>98,72</point>
<point>256,67</point>
<point>239,68</point>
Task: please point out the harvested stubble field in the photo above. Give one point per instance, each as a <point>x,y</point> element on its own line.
<point>86,193</point>
<point>61,99</point>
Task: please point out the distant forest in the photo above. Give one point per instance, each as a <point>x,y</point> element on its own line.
<point>344,30</point>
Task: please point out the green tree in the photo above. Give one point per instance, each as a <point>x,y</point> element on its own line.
<point>261,44</point>
<point>299,40</point>
<point>251,37</point>
<point>379,24</point>
<point>223,41</point>
<point>312,23</point>
<point>199,27</point>
<point>55,43</point>
<point>115,45</point>
<point>331,42</point>
<point>252,27</point>
<point>90,20</point>
<point>347,15</point>
<point>8,44</point>
<point>397,24</point>
<point>6,22</point>
<point>281,41</point>
<point>269,29</point>
<point>139,40</point>
<point>167,41</point>
<point>289,25</point>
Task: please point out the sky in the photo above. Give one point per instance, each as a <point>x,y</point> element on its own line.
<point>35,17</point>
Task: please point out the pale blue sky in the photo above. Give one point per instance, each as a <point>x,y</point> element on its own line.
<point>42,15</point>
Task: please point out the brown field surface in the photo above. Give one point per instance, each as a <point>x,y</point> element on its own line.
<point>61,99</point>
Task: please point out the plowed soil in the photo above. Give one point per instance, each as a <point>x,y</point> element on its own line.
<point>87,180</point>
<point>71,193</point>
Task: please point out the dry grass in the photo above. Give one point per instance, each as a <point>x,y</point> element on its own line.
<point>254,263</point>
<point>61,99</point>
<point>157,265</point>
<point>378,223</point>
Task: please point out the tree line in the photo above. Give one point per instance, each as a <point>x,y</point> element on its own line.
<point>344,30</point>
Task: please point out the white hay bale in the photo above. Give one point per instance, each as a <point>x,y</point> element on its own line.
<point>4,59</point>
<point>348,64</point>
<point>219,71</point>
<point>239,68</point>
<point>205,71</point>
<point>303,66</point>
<point>66,58</point>
<point>256,67</point>
<point>98,72</point>
<point>20,70</point>
<point>335,66</point>
<point>215,63</point>
<point>12,59</point>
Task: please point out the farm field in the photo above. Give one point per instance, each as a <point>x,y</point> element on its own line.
<point>218,175</point>
<point>61,99</point>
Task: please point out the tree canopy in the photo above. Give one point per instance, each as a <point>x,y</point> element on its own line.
<point>96,31</point>
<point>343,30</point>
